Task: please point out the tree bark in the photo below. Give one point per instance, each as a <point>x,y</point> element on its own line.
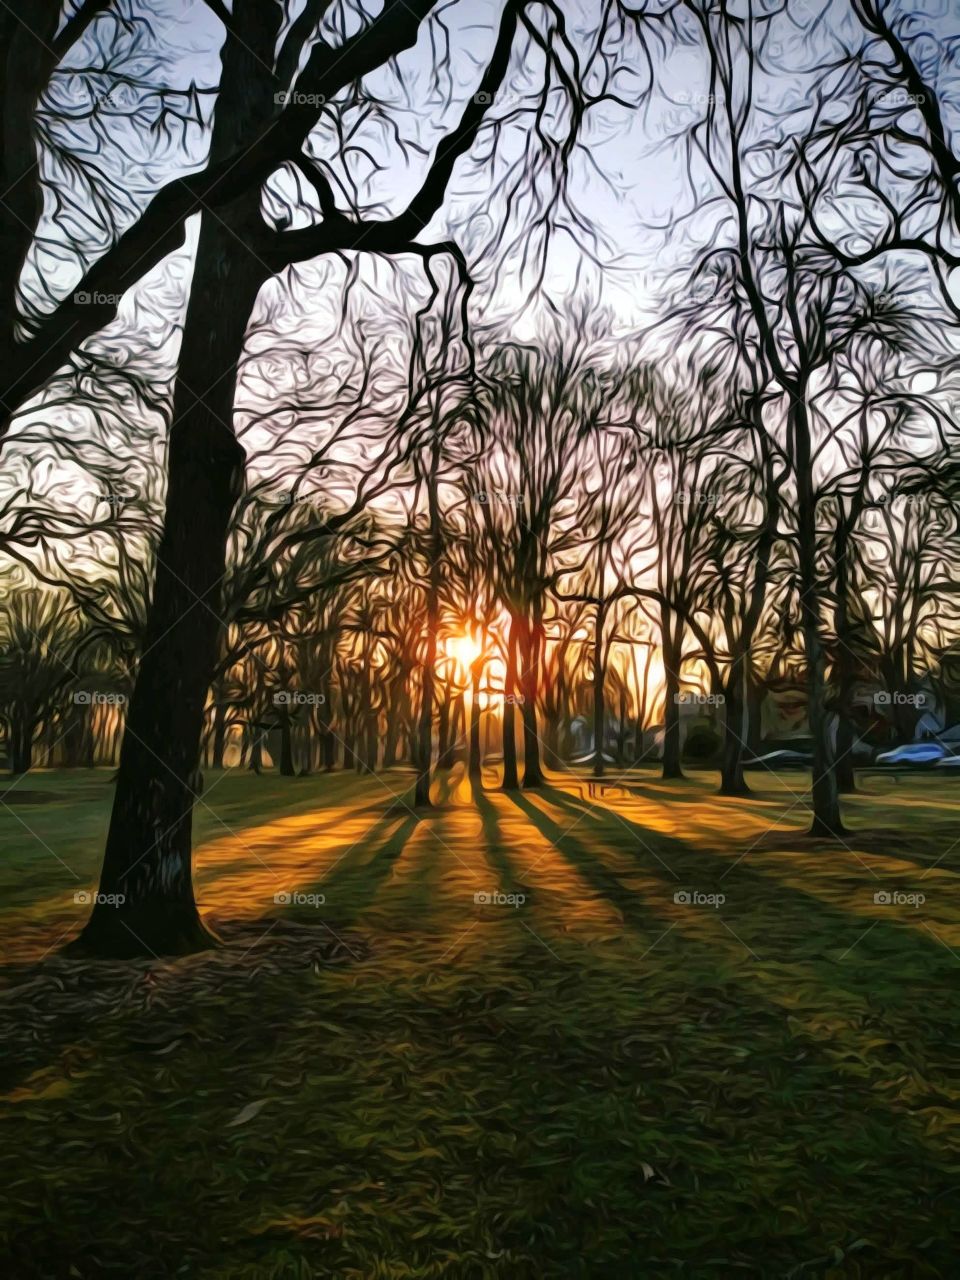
<point>511,780</point>
<point>598,708</point>
<point>530,688</point>
<point>475,760</point>
<point>287,768</point>
<point>732,781</point>
<point>148,858</point>
<point>21,746</point>
<point>671,711</point>
<point>826,802</point>
<point>428,680</point>
<point>846,779</point>
<point>219,733</point>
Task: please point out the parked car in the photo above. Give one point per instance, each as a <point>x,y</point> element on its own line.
<point>913,753</point>
<point>782,759</point>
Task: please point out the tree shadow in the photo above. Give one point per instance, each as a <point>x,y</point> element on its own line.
<point>506,870</point>
<point>356,877</point>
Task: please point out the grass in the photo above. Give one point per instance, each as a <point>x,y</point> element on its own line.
<point>603,1081</point>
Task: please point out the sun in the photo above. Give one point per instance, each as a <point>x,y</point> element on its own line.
<point>465,649</point>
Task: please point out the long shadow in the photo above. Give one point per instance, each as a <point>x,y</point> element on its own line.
<point>348,892</point>
<point>507,881</point>
<point>215,869</point>
<point>675,791</point>
<point>647,791</point>
<point>684,1013</point>
<point>714,844</point>
<point>354,881</point>
<point>631,907</point>
<point>828,929</point>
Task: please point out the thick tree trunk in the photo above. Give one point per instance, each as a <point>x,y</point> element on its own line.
<point>530,688</point>
<point>21,747</point>
<point>671,710</point>
<point>428,681</point>
<point>475,758</point>
<point>256,751</point>
<point>732,781</point>
<point>846,779</point>
<point>373,745</point>
<point>147,864</point>
<point>826,802</point>
<point>148,853</point>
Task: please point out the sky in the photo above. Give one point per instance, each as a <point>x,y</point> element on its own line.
<point>627,183</point>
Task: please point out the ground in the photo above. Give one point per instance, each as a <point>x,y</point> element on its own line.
<point>619,1076</point>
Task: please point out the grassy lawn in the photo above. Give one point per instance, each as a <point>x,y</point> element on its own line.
<point>604,1080</point>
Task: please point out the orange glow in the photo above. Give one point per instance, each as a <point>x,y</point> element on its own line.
<point>465,649</point>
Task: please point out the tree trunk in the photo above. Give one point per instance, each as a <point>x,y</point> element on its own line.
<point>148,857</point>
<point>530,687</point>
<point>21,746</point>
<point>428,681</point>
<point>219,734</point>
<point>287,768</point>
<point>444,733</point>
<point>622,729</point>
<point>256,751</point>
<point>148,854</point>
<point>671,709</point>
<point>846,780</point>
<point>373,744</point>
<point>732,781</point>
<point>826,802</point>
<point>754,710</point>
<point>511,780</point>
<point>392,734</point>
<point>475,761</point>
<point>598,708</point>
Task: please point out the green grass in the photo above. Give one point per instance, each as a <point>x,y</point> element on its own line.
<point>600,1082</point>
